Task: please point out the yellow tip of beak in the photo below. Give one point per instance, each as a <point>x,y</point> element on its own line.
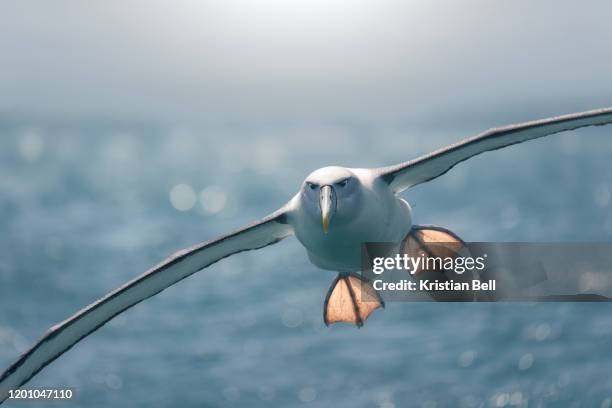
<point>326,224</point>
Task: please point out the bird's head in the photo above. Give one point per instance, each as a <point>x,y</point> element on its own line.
<point>331,193</point>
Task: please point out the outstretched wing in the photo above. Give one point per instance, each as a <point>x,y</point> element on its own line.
<point>66,334</point>
<point>435,164</point>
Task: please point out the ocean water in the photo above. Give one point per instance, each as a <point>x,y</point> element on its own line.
<point>86,206</point>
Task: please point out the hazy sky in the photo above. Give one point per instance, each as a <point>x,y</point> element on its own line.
<point>304,60</point>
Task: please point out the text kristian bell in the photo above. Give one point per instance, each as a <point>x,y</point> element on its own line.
<point>434,285</point>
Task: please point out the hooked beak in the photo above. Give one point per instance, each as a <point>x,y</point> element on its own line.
<point>327,201</point>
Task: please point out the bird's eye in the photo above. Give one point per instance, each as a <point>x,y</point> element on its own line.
<point>343,183</point>
<point>312,186</point>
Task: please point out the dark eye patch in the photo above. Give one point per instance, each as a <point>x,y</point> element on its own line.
<point>311,185</point>
<point>343,183</point>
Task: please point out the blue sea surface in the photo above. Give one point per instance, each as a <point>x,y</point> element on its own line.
<point>86,206</point>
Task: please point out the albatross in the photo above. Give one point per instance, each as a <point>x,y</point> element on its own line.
<point>334,212</point>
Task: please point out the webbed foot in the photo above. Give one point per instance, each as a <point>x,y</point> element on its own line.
<point>350,299</point>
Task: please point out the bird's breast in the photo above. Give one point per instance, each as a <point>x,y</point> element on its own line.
<point>340,249</point>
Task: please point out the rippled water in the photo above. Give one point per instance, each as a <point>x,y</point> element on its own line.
<point>85,207</point>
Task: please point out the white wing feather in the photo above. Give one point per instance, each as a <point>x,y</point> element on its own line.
<point>435,164</point>
<point>66,334</point>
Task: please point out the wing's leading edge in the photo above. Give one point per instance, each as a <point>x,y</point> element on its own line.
<point>435,164</point>
<point>182,264</point>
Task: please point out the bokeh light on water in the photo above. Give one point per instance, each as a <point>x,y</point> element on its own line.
<point>182,197</point>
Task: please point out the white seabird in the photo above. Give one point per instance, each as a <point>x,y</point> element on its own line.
<point>333,213</point>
